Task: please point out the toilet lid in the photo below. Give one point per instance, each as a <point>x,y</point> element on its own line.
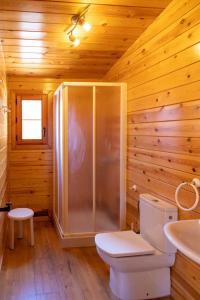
<point>123,243</point>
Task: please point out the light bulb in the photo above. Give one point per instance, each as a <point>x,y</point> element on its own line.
<point>76,42</point>
<point>76,32</point>
<point>87,26</point>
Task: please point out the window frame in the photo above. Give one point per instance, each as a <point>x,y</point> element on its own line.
<point>33,97</point>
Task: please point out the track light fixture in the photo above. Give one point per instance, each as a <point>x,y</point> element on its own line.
<point>78,27</point>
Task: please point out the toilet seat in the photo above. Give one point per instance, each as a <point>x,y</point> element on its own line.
<point>123,243</point>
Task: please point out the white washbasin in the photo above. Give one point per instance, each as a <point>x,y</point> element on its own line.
<point>185,236</point>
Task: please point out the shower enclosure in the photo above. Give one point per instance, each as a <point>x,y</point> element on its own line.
<point>89,160</point>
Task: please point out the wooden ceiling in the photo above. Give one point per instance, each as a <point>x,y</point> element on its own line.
<point>34,42</point>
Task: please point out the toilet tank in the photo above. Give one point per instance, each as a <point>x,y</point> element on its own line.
<point>154,214</point>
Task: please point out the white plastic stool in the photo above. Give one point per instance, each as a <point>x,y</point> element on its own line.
<point>20,214</point>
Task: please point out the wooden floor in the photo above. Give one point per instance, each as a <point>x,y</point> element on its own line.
<point>48,272</point>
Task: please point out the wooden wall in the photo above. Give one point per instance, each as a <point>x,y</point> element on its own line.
<point>30,171</point>
<point>162,70</point>
<point>3,150</point>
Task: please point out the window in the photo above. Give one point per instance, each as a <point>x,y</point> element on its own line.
<point>31,119</point>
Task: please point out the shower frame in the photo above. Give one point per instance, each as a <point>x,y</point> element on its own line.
<point>84,238</point>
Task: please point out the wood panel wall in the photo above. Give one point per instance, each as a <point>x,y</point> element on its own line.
<point>30,171</point>
<point>29,168</point>
<point>3,150</point>
<point>162,70</point>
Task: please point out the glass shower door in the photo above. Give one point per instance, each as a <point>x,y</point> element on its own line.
<point>80,159</point>
<point>58,159</point>
<point>107,175</point>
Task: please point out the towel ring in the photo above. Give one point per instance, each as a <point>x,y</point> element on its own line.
<point>194,184</point>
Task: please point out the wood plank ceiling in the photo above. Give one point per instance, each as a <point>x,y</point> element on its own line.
<point>34,42</point>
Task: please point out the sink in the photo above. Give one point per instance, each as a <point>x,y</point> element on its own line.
<point>185,236</point>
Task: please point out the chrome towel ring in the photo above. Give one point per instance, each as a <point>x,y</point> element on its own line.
<point>195,184</point>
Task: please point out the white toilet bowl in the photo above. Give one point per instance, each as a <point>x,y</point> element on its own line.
<point>140,268</point>
<point>137,270</point>
<point>134,262</point>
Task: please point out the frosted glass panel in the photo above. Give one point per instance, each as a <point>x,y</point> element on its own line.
<point>58,159</point>
<point>56,166</point>
<point>31,129</point>
<point>107,158</point>
<point>80,142</point>
<point>58,179</point>
<point>61,159</point>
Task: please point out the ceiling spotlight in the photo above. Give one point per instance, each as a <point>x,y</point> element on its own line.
<point>87,26</point>
<point>73,38</point>
<point>76,42</point>
<point>75,19</point>
<point>76,32</point>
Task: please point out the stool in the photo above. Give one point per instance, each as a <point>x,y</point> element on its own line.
<point>20,214</point>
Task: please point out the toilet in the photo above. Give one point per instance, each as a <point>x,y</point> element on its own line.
<point>140,263</point>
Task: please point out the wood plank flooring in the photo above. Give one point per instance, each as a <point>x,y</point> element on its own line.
<point>48,272</point>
